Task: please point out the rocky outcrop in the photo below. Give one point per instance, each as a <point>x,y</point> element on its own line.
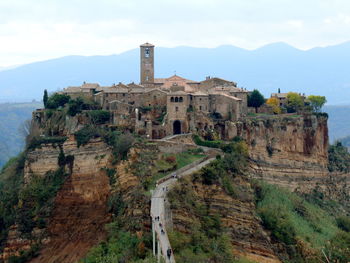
<point>236,215</point>
<point>285,146</point>
<point>79,211</point>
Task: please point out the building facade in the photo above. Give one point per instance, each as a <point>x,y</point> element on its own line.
<point>159,107</point>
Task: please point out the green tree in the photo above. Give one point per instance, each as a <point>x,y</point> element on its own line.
<point>45,98</point>
<point>317,102</point>
<point>295,102</point>
<point>338,158</point>
<point>57,100</point>
<point>255,99</point>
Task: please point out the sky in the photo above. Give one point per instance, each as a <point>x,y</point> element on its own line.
<point>35,30</point>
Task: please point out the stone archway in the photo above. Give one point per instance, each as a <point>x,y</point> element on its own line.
<point>177,127</point>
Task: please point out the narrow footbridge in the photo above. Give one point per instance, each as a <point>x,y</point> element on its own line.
<point>159,229</point>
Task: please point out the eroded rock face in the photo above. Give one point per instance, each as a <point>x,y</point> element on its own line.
<point>285,145</point>
<point>237,215</point>
<point>80,208</point>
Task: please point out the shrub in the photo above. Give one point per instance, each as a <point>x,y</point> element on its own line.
<point>343,223</point>
<point>121,143</point>
<point>35,197</point>
<point>99,116</point>
<point>211,144</point>
<point>292,220</point>
<point>337,248</point>
<point>38,141</point>
<point>170,159</point>
<point>210,174</point>
<point>75,106</point>
<point>57,100</point>
<point>338,158</point>
<point>84,135</point>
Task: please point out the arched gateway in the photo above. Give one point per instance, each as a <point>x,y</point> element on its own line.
<point>177,127</point>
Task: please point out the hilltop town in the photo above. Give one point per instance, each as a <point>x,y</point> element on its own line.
<point>159,107</point>
<point>190,171</point>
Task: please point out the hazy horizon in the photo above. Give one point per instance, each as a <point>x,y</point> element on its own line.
<point>53,29</point>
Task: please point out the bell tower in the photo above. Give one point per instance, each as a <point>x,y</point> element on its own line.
<point>147,64</point>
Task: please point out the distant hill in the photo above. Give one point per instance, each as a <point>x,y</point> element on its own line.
<point>338,122</point>
<point>11,117</point>
<point>322,71</point>
<point>346,141</point>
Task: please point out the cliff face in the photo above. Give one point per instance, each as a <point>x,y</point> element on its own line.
<point>237,216</point>
<point>80,207</point>
<point>285,147</point>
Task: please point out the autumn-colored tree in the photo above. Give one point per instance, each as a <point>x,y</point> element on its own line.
<point>295,102</point>
<point>317,102</point>
<point>274,103</point>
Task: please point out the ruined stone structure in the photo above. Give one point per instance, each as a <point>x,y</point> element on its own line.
<point>158,107</point>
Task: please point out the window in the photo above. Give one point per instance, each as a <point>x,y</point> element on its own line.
<point>200,107</point>
<point>176,99</point>
<point>176,108</point>
<point>123,94</point>
<point>181,99</point>
<point>146,78</point>
<point>147,53</point>
<point>172,99</point>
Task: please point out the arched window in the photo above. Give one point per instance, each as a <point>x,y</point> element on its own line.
<point>176,99</point>
<point>172,99</point>
<point>181,99</point>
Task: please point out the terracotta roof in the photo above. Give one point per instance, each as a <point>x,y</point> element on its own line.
<point>230,89</point>
<point>147,45</point>
<point>115,89</point>
<point>216,79</point>
<point>225,95</point>
<point>279,95</point>
<point>167,83</point>
<point>199,93</point>
<point>150,90</point>
<point>136,90</point>
<point>134,85</point>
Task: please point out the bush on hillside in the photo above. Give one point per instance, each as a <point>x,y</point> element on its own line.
<point>294,221</point>
<point>79,104</point>
<point>84,135</point>
<point>212,144</point>
<point>338,158</point>
<point>57,100</point>
<point>99,116</point>
<point>344,223</point>
<point>36,142</point>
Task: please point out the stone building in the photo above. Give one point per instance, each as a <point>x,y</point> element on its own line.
<point>158,107</point>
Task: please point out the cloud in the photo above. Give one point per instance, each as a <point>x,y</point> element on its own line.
<point>40,29</point>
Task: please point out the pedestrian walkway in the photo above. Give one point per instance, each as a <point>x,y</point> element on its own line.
<point>158,208</point>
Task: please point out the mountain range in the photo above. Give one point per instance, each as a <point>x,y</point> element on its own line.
<point>323,71</point>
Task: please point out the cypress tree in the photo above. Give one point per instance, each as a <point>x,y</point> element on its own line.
<point>45,98</point>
